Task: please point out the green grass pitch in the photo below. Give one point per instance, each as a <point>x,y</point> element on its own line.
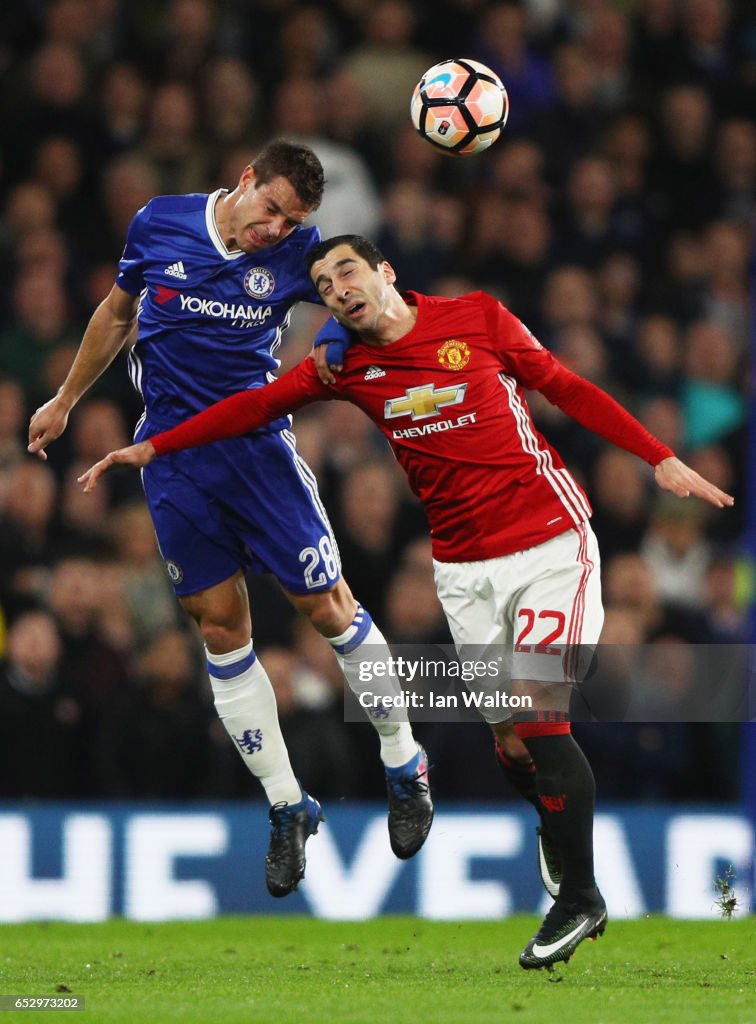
<point>387,971</point>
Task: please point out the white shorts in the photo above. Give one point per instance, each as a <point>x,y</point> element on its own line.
<point>538,611</point>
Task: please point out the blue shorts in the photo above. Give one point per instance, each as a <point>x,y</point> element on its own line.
<point>248,503</point>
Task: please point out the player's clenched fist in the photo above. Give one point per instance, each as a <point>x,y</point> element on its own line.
<point>136,455</point>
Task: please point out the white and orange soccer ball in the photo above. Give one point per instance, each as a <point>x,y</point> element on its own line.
<point>460,106</point>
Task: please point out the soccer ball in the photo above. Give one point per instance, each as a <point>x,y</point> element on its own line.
<point>459,106</point>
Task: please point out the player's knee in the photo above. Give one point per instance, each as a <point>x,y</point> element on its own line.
<point>330,613</point>
<point>216,638</point>
<point>222,615</point>
<point>222,638</point>
<point>328,616</point>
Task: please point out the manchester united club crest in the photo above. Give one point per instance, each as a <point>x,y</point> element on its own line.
<point>454,355</point>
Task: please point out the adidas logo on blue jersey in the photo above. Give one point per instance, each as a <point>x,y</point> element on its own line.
<point>176,270</point>
<point>373,372</point>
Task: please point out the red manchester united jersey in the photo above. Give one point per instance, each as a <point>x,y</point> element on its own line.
<point>449,396</point>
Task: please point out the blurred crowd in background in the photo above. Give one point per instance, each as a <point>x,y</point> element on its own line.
<point>614,217</point>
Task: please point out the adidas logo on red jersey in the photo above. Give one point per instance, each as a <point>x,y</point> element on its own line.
<point>373,372</point>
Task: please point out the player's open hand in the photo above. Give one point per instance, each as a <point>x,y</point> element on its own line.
<point>136,455</point>
<point>673,475</point>
<point>47,424</point>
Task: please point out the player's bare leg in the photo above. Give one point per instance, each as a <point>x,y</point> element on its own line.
<point>246,704</point>
<point>222,614</point>
<point>356,640</point>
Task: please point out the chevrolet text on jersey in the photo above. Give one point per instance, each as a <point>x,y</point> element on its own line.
<point>435,428</point>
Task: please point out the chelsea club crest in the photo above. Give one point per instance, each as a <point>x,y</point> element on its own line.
<point>175,572</point>
<point>259,282</point>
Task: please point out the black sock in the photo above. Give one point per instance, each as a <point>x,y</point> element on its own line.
<point>566,790</point>
<point>521,776</point>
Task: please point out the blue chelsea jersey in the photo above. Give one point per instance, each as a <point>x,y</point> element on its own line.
<point>210,320</point>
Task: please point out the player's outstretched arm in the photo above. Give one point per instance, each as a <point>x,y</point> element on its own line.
<point>137,455</point>
<point>673,475</point>
<point>107,331</point>
<point>599,412</point>
<point>236,415</point>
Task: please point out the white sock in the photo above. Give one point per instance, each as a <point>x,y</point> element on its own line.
<point>361,642</point>
<point>246,704</point>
